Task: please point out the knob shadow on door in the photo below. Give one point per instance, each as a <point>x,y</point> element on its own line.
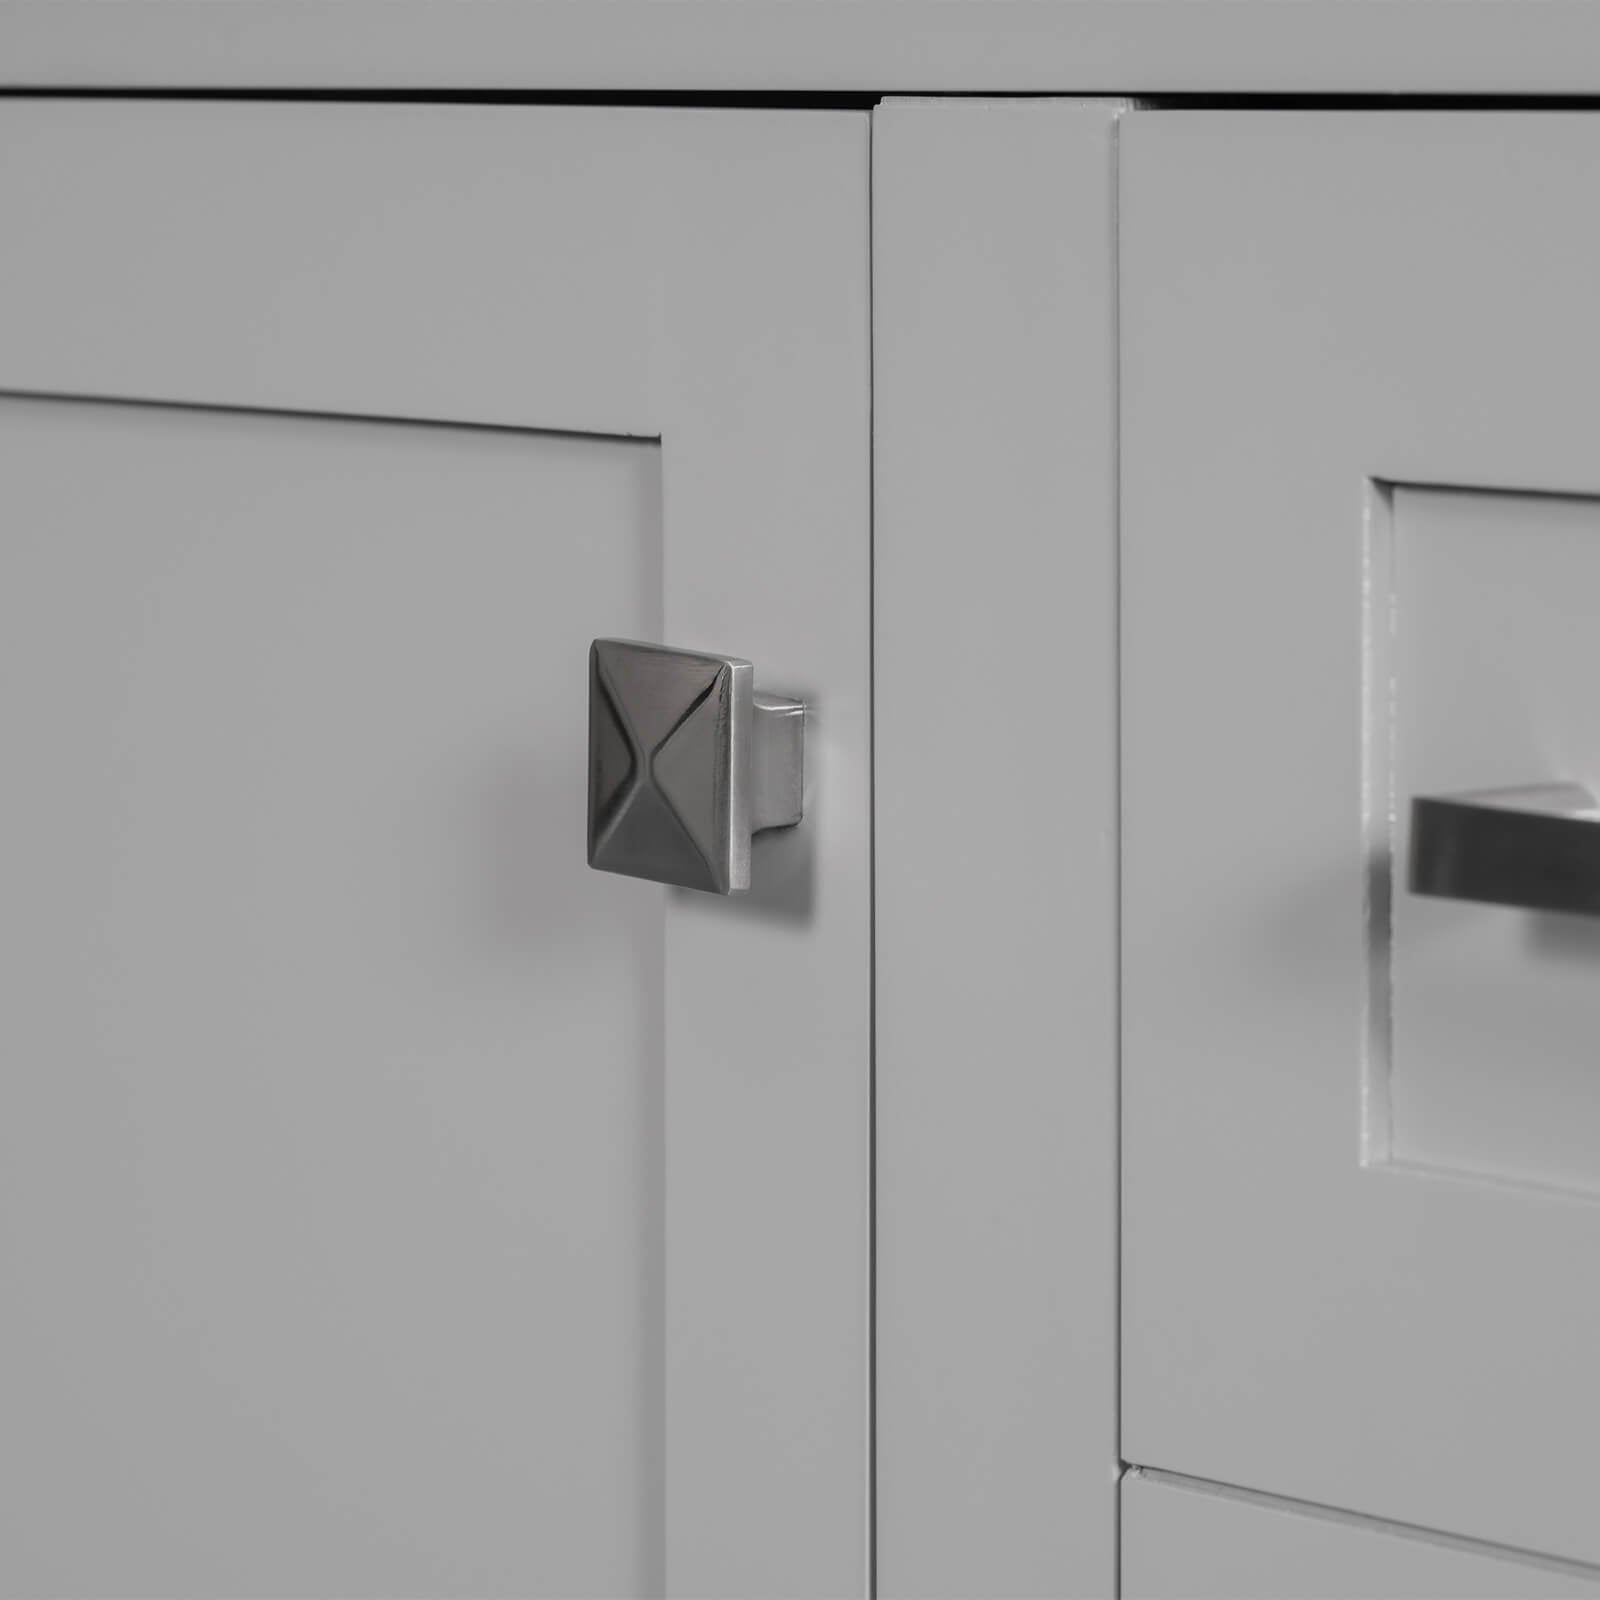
<point>686,761</point>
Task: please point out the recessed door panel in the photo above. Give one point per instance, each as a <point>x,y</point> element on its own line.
<point>330,1120</point>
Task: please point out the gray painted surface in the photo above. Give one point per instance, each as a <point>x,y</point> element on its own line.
<point>801,46</point>
<point>332,1152</point>
<point>697,278</point>
<point>1184,1540</point>
<point>996,802</point>
<point>1313,304</point>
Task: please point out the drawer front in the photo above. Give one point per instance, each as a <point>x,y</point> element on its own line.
<point>1362,1128</point>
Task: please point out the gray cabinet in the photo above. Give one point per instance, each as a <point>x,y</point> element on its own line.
<point>1079,1160</point>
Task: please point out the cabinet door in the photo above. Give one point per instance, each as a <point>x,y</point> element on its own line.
<point>1361,377</point>
<point>390,1205</point>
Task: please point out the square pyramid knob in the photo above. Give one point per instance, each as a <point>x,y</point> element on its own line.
<point>686,761</point>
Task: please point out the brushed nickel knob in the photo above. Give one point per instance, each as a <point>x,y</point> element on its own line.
<point>686,761</point>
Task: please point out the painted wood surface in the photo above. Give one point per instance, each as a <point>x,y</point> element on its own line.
<point>810,46</point>
<point>332,1155</point>
<point>996,836</point>
<point>1183,1540</point>
<point>693,277</point>
<point>1315,305</point>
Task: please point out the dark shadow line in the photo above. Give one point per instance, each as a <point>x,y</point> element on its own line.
<point>307,414</point>
<point>666,99</point>
<point>1366,1522</point>
<point>824,99</point>
<point>693,706</point>
<point>1439,486</point>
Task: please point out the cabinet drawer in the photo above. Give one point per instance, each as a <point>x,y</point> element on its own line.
<point>1361,375</point>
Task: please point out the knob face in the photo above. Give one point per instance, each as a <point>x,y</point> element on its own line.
<point>669,757</point>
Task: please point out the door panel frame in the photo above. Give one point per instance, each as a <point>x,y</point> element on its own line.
<point>697,276</point>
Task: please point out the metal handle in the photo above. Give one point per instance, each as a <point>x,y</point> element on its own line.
<point>686,761</point>
<point>1537,847</point>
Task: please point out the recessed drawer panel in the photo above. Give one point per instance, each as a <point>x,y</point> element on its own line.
<point>1483,740</point>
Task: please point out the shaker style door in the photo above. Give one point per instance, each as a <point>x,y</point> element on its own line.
<point>391,1205</point>
<point>1361,572</point>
